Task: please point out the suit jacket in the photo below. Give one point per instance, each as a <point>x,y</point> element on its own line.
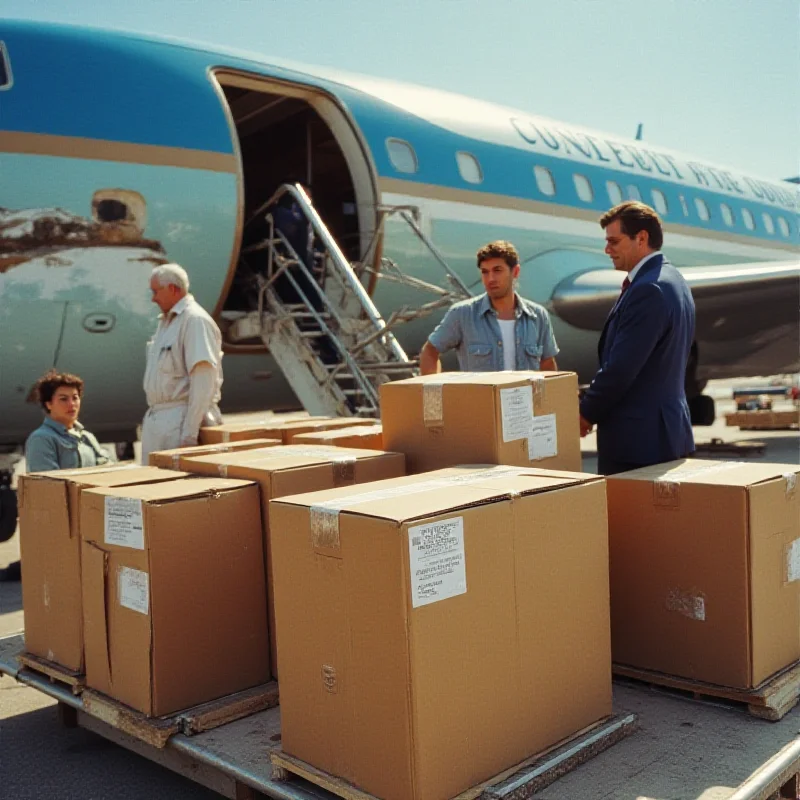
<point>637,398</point>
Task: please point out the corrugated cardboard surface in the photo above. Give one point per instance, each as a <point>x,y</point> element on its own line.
<point>700,559</point>
<point>292,429</point>
<point>423,702</point>
<point>368,437</point>
<point>203,632</point>
<point>239,431</point>
<point>457,418</point>
<point>172,459</point>
<point>51,554</point>
<point>280,471</point>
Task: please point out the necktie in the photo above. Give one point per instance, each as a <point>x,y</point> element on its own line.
<point>625,284</point>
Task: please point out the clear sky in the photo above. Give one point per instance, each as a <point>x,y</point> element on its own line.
<point>718,79</point>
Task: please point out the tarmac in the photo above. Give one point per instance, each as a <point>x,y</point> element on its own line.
<point>684,750</point>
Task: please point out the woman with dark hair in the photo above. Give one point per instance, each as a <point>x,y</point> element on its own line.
<point>61,442</point>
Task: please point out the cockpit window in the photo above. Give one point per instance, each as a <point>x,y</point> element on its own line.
<point>5,68</point>
<point>402,155</point>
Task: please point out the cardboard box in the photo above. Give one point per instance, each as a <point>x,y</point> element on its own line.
<point>240,431</point>
<point>437,629</point>
<point>172,459</point>
<point>517,418</point>
<point>173,593</point>
<point>49,504</point>
<point>288,470</point>
<point>367,437</point>
<point>315,425</point>
<point>705,569</point>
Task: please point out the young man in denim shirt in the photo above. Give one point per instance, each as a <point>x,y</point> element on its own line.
<point>498,330</point>
<point>60,442</point>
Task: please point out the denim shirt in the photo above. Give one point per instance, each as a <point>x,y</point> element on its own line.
<point>54,446</point>
<point>472,327</point>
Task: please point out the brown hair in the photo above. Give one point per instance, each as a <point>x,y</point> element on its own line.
<point>634,217</point>
<point>51,381</point>
<point>499,249</point>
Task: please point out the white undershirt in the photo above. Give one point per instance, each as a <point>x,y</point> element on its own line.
<point>509,345</point>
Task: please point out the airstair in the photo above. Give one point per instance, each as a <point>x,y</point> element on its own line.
<point>318,321</point>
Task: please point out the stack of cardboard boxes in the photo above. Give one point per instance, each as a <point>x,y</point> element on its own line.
<point>50,544</point>
<point>280,471</point>
<point>386,608</point>
<point>280,427</point>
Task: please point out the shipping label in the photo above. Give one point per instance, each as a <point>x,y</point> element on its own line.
<point>124,523</point>
<point>134,590</point>
<point>543,441</point>
<point>516,411</point>
<point>436,559</point>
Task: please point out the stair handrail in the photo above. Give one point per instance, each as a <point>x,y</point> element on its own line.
<point>342,265</point>
<point>409,215</point>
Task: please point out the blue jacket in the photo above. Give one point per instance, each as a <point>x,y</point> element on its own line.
<point>637,398</point>
<point>52,446</point>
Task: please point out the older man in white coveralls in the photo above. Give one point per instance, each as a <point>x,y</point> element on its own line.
<point>183,376</point>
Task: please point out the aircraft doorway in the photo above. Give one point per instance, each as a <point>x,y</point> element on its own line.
<point>288,134</point>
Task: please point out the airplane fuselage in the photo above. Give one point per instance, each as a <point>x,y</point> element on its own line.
<point>118,152</point>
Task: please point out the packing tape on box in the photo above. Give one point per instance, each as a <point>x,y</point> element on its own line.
<point>689,604</point>
<point>793,561</point>
<point>324,517</point>
<point>432,405</point>
<point>222,470</point>
<point>432,400</point>
<point>176,460</point>
<point>538,383</point>
<point>344,471</point>
<point>791,482</point>
<point>226,436</point>
<point>667,490</point>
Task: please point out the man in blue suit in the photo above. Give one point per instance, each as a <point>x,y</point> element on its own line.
<point>637,398</point>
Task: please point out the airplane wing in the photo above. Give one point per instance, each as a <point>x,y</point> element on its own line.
<point>748,315</point>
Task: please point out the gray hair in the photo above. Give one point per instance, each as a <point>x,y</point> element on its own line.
<point>173,274</point>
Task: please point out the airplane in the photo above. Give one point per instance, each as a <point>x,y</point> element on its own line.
<point>119,151</point>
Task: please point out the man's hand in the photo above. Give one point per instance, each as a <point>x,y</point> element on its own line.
<point>188,441</point>
<point>586,426</point>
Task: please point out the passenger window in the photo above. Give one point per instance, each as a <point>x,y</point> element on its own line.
<point>5,68</point>
<point>633,192</point>
<point>727,214</point>
<point>544,180</point>
<point>584,188</point>
<point>784,227</point>
<point>659,201</point>
<point>402,155</point>
<point>769,225</point>
<point>469,167</point>
<point>747,218</point>
<point>684,205</point>
<point>702,209</point>
<point>614,192</point>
